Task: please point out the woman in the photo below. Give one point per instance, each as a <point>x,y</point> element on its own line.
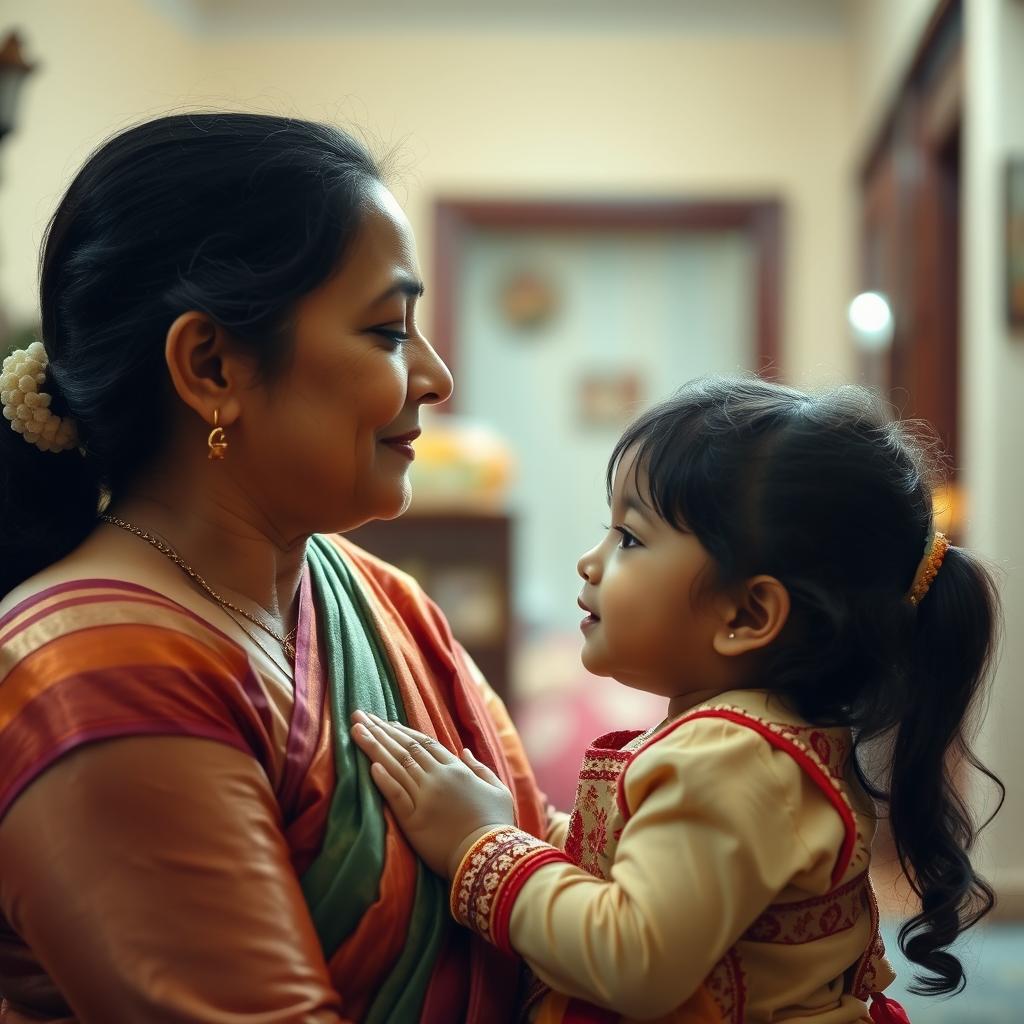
<point>235,374</point>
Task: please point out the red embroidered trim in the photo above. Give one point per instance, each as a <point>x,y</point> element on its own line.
<point>490,877</point>
<point>519,875</point>
<point>818,775</point>
<point>793,924</point>
<point>867,972</point>
<point>574,838</point>
<point>613,742</point>
<point>601,763</point>
<point>728,987</point>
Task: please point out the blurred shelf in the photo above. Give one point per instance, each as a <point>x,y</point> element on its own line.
<point>463,560</point>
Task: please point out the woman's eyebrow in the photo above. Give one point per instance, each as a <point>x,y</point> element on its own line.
<point>410,287</point>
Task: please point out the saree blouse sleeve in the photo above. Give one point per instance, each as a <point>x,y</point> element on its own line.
<point>716,824</point>
<point>168,895</point>
<point>96,660</point>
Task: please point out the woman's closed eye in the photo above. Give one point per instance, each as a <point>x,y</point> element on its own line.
<point>395,335</point>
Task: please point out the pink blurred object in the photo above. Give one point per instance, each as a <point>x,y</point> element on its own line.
<point>560,708</point>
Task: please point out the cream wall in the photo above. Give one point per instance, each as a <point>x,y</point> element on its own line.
<point>487,114</point>
<point>101,65</point>
<point>884,36</point>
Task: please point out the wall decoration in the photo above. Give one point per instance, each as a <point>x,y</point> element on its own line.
<point>528,299</point>
<point>609,398</point>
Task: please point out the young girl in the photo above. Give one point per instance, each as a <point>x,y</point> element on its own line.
<point>771,569</point>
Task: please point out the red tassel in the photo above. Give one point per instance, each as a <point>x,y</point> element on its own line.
<point>887,1011</point>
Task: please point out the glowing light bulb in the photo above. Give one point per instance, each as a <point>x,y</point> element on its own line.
<point>870,317</point>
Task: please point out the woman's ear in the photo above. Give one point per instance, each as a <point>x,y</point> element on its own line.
<point>206,369</point>
<point>759,613</point>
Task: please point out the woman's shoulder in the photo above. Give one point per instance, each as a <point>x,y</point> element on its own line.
<point>64,612</point>
<point>90,659</point>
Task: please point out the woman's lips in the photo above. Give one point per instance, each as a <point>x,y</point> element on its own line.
<point>402,444</point>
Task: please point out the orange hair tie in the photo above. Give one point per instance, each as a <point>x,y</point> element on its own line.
<point>934,552</point>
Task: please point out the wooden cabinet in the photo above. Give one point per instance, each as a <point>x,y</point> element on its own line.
<point>463,561</point>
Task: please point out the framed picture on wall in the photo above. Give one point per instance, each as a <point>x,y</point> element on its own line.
<point>1015,242</point>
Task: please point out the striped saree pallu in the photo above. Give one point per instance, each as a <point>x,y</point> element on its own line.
<point>381,915</point>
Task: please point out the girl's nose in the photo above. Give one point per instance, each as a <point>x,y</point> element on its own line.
<point>589,566</point>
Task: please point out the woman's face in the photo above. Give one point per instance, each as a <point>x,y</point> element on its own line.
<point>329,440</point>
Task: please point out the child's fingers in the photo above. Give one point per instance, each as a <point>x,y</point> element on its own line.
<point>393,792</point>
<point>403,750</point>
<point>405,746</point>
<point>433,747</point>
<point>480,769</point>
<point>370,743</point>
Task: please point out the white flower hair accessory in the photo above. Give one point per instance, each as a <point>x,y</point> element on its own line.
<point>27,407</point>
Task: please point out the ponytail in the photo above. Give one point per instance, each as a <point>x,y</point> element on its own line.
<point>930,821</point>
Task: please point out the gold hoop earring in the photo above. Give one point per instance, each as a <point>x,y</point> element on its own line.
<point>217,442</point>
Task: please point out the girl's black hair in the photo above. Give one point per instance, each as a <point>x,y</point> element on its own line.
<point>832,497</point>
<point>235,215</point>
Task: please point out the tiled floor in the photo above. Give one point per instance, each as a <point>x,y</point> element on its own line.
<point>993,958</point>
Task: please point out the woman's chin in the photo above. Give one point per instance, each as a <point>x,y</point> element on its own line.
<point>395,502</point>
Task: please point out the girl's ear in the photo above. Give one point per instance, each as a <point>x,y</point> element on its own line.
<point>759,613</point>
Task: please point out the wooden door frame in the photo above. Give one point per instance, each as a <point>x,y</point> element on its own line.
<point>760,219</point>
<point>921,127</point>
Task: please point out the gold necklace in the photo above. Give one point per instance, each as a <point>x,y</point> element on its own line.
<point>287,641</point>
<point>283,666</point>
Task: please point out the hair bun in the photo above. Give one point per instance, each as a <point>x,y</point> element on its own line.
<point>27,408</point>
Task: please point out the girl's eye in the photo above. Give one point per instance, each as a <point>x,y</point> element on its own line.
<point>627,539</point>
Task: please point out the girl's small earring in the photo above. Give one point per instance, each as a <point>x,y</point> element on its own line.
<point>217,442</point>
<point>732,636</point>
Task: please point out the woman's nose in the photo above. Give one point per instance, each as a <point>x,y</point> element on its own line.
<point>430,380</point>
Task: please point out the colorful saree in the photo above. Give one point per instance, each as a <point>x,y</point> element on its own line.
<point>96,660</point>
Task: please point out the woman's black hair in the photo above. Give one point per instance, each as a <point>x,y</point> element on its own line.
<point>834,498</point>
<point>234,215</point>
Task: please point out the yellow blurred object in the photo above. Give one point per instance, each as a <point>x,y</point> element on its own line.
<point>949,509</point>
<point>460,465</point>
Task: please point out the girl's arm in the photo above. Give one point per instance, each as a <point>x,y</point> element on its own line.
<point>718,824</point>
<point>150,877</point>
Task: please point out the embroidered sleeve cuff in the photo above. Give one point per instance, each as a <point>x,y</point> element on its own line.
<point>491,876</point>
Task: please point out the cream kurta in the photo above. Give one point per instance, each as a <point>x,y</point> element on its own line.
<point>724,855</point>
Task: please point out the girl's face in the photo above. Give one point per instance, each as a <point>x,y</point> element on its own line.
<point>651,616</point>
<point>333,435</point>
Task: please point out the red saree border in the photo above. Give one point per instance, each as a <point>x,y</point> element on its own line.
<point>307,707</point>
